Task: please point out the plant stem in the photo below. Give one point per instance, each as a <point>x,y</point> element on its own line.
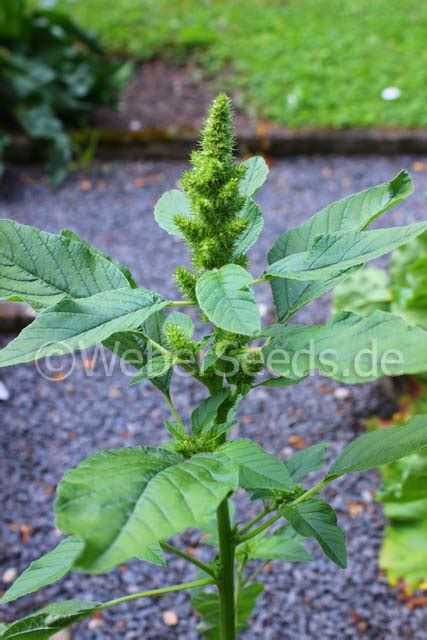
<point>307,494</point>
<point>226,581</point>
<point>181,303</point>
<point>172,409</point>
<point>259,529</point>
<point>255,520</point>
<point>310,492</point>
<point>204,567</point>
<point>155,592</point>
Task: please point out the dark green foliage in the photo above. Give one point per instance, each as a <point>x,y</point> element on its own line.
<point>52,73</point>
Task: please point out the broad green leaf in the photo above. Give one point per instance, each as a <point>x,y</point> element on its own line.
<point>364,292</point>
<point>205,414</point>
<point>249,236</point>
<point>182,321</point>
<point>307,460</point>
<point>315,518</point>
<point>207,604</point>
<point>157,367</point>
<point>309,291</point>
<point>352,213</point>
<point>41,268</point>
<point>404,552</point>
<point>381,447</point>
<point>275,383</point>
<point>255,176</point>
<point>333,253</point>
<point>135,350</point>
<point>349,348</point>
<point>257,468</point>
<point>72,235</point>
<point>285,544</point>
<point>225,298</point>
<point>119,502</point>
<point>73,325</point>
<point>172,203</point>
<point>50,568</point>
<point>46,622</point>
<point>153,553</point>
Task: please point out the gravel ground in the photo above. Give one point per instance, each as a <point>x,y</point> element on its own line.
<point>46,427</point>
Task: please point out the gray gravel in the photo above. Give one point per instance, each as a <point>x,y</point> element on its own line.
<point>46,427</point>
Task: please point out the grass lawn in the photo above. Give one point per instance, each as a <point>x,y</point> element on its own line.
<point>298,62</point>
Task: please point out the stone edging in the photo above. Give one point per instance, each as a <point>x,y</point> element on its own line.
<point>176,144</point>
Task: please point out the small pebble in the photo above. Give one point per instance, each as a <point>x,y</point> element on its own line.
<point>342,393</point>
<point>170,618</point>
<point>4,392</point>
<point>9,575</point>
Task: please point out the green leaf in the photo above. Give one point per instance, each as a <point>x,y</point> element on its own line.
<point>78,324</point>
<point>72,235</point>
<point>404,552</point>
<point>181,320</point>
<point>249,236</point>
<point>307,460</point>
<point>411,482</point>
<point>205,414</point>
<point>119,502</point>
<point>157,367</point>
<point>135,350</point>
<point>172,203</point>
<point>48,621</point>
<point>285,544</point>
<point>364,292</point>
<point>352,213</point>
<point>225,298</point>
<point>41,268</point>
<point>275,383</point>
<point>255,176</point>
<point>176,429</point>
<point>47,569</point>
<point>153,553</point>
<point>315,518</point>
<point>333,253</point>
<point>257,468</point>
<point>381,447</point>
<point>207,604</point>
<point>349,348</point>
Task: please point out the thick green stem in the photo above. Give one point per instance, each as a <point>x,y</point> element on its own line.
<point>226,580</point>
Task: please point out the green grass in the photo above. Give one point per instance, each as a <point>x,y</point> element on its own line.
<point>298,62</point>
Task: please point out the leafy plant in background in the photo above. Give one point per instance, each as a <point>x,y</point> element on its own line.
<point>404,495</point>
<point>52,73</point>
<point>402,290</point>
<point>128,503</point>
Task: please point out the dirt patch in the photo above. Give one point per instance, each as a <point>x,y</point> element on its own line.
<point>162,95</point>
